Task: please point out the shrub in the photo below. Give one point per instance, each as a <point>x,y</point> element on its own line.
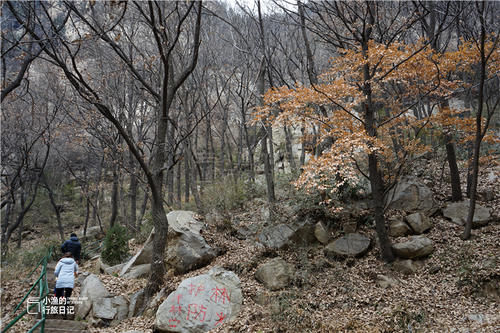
<point>115,247</point>
<point>227,194</point>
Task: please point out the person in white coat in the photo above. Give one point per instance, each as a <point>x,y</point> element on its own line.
<point>66,271</point>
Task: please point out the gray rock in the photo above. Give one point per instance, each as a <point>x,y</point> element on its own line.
<point>144,255</point>
<point>92,289</point>
<point>411,195</point>
<point>350,245</point>
<point>277,236</point>
<point>415,247</point>
<point>81,277</point>
<point>137,272</point>
<point>458,211</point>
<point>321,233</point>
<point>102,266</point>
<point>419,222</point>
<point>407,266</point>
<point>182,221</point>
<point>120,303</point>
<point>398,228</point>
<point>114,269</point>
<point>386,281</point>
<point>189,251</point>
<point>281,235</point>
<point>275,274</point>
<point>103,308</point>
<point>201,303</point>
<point>136,302</point>
<point>303,233</point>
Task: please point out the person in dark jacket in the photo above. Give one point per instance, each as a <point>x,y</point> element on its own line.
<point>72,245</point>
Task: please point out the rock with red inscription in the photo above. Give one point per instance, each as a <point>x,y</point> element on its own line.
<point>201,303</point>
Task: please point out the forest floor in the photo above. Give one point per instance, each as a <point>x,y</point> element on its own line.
<point>456,289</point>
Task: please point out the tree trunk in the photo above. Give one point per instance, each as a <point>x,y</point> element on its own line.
<point>114,196</point>
<point>376,179</point>
<point>87,217</point>
<point>133,199</point>
<point>56,209</point>
<point>178,182</point>
<point>187,170</point>
<point>302,160</point>
<point>143,208</point>
<point>289,150</point>
<point>479,131</point>
<point>456,191</point>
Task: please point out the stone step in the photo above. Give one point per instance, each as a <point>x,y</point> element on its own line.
<point>64,326</point>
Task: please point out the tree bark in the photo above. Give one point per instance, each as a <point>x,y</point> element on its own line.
<point>375,175</point>
<point>289,150</point>
<point>456,191</point>
<point>114,196</point>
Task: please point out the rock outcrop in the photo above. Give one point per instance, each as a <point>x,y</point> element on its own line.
<point>187,249</point>
<point>201,303</point>
<point>411,195</point>
<point>91,290</point>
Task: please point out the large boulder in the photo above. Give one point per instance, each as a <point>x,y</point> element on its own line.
<point>283,234</point>
<point>103,308</point>
<point>457,212</point>
<point>109,310</point>
<point>276,236</point>
<point>419,222</point>
<point>201,303</point>
<point>187,249</point>
<point>411,195</point>
<point>91,289</point>
<point>138,272</point>
<point>350,245</point>
<point>275,274</point>
<point>144,255</point>
<point>415,247</point>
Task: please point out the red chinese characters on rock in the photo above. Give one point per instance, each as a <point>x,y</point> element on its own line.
<point>220,319</point>
<point>219,295</point>
<point>176,310</point>
<point>198,310</point>
<point>195,289</point>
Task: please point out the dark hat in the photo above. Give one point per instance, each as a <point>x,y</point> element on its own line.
<point>73,235</point>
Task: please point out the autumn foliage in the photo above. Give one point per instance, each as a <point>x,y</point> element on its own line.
<point>403,77</point>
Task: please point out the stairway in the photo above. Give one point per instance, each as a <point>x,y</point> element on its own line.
<point>58,323</point>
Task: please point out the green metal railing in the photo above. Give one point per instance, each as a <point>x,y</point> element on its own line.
<point>43,291</point>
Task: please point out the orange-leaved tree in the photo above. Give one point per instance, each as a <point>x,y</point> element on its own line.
<point>366,99</point>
